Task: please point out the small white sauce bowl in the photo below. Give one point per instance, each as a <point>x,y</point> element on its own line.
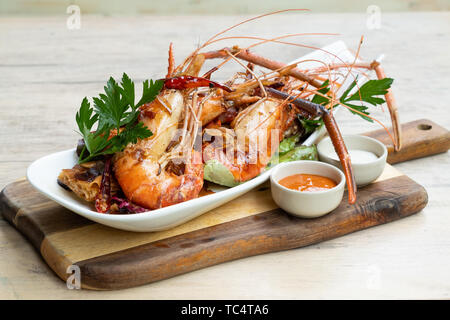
<point>307,204</point>
<point>364,172</point>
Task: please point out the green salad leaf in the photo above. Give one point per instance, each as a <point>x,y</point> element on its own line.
<point>288,150</point>
<point>300,153</point>
<point>288,144</point>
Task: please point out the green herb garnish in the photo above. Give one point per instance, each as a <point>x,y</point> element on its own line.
<point>320,99</point>
<point>116,115</point>
<point>369,92</point>
<point>310,125</point>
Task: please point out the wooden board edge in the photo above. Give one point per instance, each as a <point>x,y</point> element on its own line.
<point>55,260</point>
<point>7,208</point>
<point>27,227</point>
<point>12,214</point>
<point>61,236</point>
<point>151,262</point>
<point>421,138</point>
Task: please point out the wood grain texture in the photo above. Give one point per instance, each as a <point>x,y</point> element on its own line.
<point>251,225</point>
<point>103,240</point>
<point>34,214</point>
<point>421,138</point>
<point>275,230</point>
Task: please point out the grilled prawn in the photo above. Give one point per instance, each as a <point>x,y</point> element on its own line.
<point>237,125</point>
<point>140,170</point>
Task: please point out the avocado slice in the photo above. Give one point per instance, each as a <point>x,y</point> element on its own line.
<point>216,172</point>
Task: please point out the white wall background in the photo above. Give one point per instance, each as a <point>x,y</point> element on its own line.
<point>169,7</point>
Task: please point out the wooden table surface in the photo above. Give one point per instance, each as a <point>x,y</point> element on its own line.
<point>47,69</point>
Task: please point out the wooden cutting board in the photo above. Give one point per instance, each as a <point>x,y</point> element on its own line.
<point>252,224</point>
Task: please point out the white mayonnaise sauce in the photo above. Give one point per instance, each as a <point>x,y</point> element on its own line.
<point>359,156</point>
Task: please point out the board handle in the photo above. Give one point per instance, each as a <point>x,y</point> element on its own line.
<point>421,138</point>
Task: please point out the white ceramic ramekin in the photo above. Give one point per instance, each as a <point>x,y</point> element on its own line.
<point>307,204</point>
<point>365,172</point>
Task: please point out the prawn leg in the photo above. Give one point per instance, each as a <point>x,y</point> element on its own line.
<point>334,133</point>
<point>389,96</point>
<point>261,61</point>
<point>392,107</point>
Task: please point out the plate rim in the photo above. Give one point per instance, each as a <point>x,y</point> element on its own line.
<point>74,205</point>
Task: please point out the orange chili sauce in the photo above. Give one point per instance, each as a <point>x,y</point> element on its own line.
<point>307,182</point>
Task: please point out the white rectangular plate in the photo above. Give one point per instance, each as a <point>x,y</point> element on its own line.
<point>43,173</point>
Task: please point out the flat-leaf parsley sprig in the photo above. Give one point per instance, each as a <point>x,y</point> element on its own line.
<point>370,92</point>
<point>115,115</point>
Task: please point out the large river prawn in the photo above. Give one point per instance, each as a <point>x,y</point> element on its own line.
<point>238,124</point>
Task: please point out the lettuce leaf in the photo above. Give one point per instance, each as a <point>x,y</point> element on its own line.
<point>288,144</point>
<point>294,154</point>
<point>300,153</point>
<point>216,172</point>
